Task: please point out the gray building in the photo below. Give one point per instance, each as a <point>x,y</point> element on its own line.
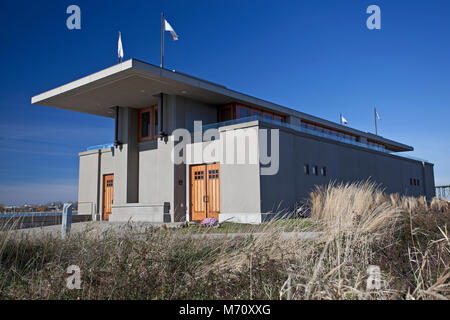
<point>251,159</point>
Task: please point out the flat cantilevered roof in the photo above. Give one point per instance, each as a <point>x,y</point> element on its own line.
<point>137,84</point>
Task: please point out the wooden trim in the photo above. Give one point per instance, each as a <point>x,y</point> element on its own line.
<point>152,134</point>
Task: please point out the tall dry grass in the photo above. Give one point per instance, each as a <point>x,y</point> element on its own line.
<point>361,226</point>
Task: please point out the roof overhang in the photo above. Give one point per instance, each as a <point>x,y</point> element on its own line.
<point>137,84</point>
<point>131,83</point>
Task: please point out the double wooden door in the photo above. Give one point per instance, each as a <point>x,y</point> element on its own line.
<point>205,191</point>
<point>108,195</point>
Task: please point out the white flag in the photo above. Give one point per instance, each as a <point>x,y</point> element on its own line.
<point>378,116</point>
<point>168,27</point>
<point>119,47</point>
<point>343,120</point>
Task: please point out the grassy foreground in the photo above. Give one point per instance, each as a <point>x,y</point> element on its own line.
<point>406,237</point>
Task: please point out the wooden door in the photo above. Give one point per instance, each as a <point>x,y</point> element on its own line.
<point>205,191</point>
<point>108,195</point>
<point>198,192</point>
<point>213,191</point>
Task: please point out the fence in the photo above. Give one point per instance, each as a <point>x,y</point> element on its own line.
<point>443,192</point>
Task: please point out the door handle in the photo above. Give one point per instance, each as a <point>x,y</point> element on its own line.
<point>205,198</point>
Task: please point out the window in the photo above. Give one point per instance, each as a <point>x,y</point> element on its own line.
<point>242,112</point>
<point>323,171</point>
<point>238,111</point>
<point>277,118</point>
<point>155,121</point>
<point>418,182</point>
<point>315,170</point>
<point>268,116</point>
<point>327,132</point>
<point>213,174</point>
<point>198,175</point>
<point>415,182</point>
<point>306,168</point>
<point>148,123</point>
<point>410,181</point>
<point>255,112</point>
<point>226,113</point>
<point>145,124</point>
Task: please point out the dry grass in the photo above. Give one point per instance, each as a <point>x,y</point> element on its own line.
<point>406,237</point>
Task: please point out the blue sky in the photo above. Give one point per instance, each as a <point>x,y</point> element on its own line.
<point>314,56</point>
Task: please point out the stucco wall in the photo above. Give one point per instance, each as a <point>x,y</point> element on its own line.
<point>146,169</point>
<point>239,183</point>
<point>344,163</point>
<point>156,173</point>
<point>88,182</point>
<point>93,166</point>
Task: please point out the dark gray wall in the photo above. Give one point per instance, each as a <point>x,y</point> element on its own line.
<point>344,163</point>
<point>188,111</point>
<point>126,158</point>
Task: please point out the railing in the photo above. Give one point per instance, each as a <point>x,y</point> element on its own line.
<point>293,127</point>
<point>305,130</point>
<point>101,146</point>
<point>443,192</point>
<point>410,157</point>
<point>33,214</point>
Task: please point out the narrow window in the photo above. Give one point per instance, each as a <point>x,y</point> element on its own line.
<point>418,182</point>
<point>323,171</point>
<point>155,120</point>
<point>238,111</point>
<point>315,170</point>
<point>306,169</point>
<point>145,124</point>
<point>414,180</point>
<point>148,123</point>
<point>226,113</point>
<point>410,181</point>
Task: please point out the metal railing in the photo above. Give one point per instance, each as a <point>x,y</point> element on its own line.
<point>308,131</point>
<point>443,192</point>
<point>34,214</point>
<point>293,127</point>
<point>100,146</point>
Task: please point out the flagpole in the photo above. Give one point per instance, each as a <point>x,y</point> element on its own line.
<point>162,40</point>
<point>118,55</point>
<point>375,118</point>
<point>340,118</point>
